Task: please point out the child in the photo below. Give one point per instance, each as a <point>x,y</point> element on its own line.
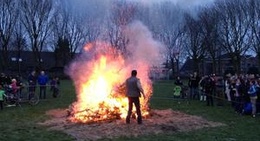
<point>2,92</point>
<point>55,86</point>
<point>14,87</point>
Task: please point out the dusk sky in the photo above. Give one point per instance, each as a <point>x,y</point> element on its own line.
<point>103,5</point>
<point>184,3</point>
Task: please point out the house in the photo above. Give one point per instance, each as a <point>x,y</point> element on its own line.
<point>224,65</point>
<point>25,63</point>
<point>159,73</point>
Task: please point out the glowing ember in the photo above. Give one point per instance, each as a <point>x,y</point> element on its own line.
<point>98,78</point>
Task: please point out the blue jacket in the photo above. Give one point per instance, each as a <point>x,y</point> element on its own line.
<point>252,91</point>
<point>43,80</point>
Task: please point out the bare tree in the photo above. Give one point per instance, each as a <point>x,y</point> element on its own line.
<point>77,28</point>
<point>234,35</point>
<point>19,39</point>
<point>77,36</point>
<point>208,19</point>
<point>255,26</point>
<point>193,43</point>
<point>122,13</point>
<point>8,20</point>
<point>19,45</point>
<point>36,17</point>
<point>168,30</point>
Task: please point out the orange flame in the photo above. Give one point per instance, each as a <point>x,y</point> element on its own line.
<point>100,95</point>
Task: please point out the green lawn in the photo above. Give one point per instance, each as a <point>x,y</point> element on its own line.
<point>20,124</point>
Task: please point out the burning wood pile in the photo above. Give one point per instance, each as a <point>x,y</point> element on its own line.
<point>104,112</point>
<point>99,81</point>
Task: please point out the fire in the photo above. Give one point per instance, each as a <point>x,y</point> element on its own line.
<point>98,82</point>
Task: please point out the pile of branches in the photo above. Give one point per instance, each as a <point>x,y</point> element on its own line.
<point>103,114</point>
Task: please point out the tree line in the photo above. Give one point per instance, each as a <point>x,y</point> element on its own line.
<point>64,27</point>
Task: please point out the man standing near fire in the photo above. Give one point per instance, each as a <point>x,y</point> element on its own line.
<point>133,92</point>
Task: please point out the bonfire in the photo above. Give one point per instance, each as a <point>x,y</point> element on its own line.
<point>99,83</point>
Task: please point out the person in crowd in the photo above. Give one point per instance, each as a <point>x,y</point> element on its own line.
<point>55,82</point>
<point>189,84</point>
<point>2,79</point>
<point>20,84</point>
<point>232,87</point>
<point>246,97</point>
<point>194,84</point>
<point>258,95</point>
<point>5,80</point>
<point>2,92</point>
<point>14,87</point>
<point>202,88</point>
<point>32,83</point>
<point>253,96</point>
<point>219,93</point>
<point>214,81</point>
<point>238,96</point>
<point>42,81</point>
<point>133,92</point>
<point>208,88</point>
<point>178,81</point>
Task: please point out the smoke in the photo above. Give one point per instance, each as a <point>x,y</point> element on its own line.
<point>142,46</point>
<point>145,52</point>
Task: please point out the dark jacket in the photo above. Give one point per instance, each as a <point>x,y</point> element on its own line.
<point>32,79</point>
<point>194,82</point>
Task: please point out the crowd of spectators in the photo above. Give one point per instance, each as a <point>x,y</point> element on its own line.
<point>18,86</point>
<point>241,91</point>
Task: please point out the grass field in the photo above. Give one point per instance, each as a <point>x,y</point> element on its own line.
<point>20,123</point>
